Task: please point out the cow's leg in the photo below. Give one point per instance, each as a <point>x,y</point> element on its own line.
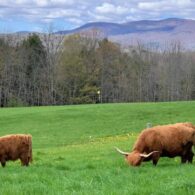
<point>190,156</point>
<point>3,162</point>
<point>24,160</point>
<point>155,158</point>
<point>187,155</point>
<point>183,159</point>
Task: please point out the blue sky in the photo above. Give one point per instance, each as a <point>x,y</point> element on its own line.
<point>41,15</point>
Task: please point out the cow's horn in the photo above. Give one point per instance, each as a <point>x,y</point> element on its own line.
<point>121,152</point>
<point>147,155</point>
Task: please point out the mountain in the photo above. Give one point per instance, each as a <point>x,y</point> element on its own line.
<point>111,29</point>
<point>106,28</point>
<point>152,32</point>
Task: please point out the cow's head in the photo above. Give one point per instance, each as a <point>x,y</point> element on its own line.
<point>135,158</point>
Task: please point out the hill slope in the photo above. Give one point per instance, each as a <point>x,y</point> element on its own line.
<point>150,32</point>
<point>73,150</point>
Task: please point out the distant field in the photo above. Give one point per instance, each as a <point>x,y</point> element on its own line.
<point>73,150</point>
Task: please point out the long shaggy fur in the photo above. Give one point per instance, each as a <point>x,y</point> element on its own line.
<point>169,140</point>
<point>16,146</point>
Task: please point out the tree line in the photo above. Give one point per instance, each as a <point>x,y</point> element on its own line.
<point>49,69</point>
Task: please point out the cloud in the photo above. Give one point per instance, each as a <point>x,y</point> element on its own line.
<point>166,5</point>
<point>60,13</point>
<point>74,12</point>
<point>107,8</point>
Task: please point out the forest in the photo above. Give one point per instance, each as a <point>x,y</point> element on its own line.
<point>49,69</point>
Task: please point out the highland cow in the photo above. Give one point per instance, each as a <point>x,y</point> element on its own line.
<point>16,146</point>
<point>163,141</point>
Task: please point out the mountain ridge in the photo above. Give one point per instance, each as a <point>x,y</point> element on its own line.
<point>129,27</point>
<point>150,32</point>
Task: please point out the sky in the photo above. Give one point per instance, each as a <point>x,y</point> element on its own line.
<point>46,15</point>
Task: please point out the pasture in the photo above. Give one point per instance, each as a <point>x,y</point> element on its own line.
<point>73,150</point>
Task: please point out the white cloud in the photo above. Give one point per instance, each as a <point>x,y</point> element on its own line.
<point>62,13</point>
<point>150,5</point>
<point>21,1</point>
<point>166,5</point>
<point>41,3</point>
<point>107,8</point>
<point>76,21</point>
<point>184,3</point>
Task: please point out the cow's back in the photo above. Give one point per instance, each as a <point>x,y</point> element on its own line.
<point>166,139</point>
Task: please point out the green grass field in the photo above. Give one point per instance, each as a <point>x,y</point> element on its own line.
<point>73,150</point>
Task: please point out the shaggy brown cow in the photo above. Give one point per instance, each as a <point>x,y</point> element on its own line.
<point>13,147</point>
<point>166,140</point>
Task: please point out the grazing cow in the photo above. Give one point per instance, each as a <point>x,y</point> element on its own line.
<point>166,141</point>
<point>16,146</point>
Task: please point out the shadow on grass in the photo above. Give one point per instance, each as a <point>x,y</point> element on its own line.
<point>60,158</point>
<point>63,168</point>
<point>90,166</point>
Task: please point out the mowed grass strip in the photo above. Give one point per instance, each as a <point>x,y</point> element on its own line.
<point>73,150</point>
